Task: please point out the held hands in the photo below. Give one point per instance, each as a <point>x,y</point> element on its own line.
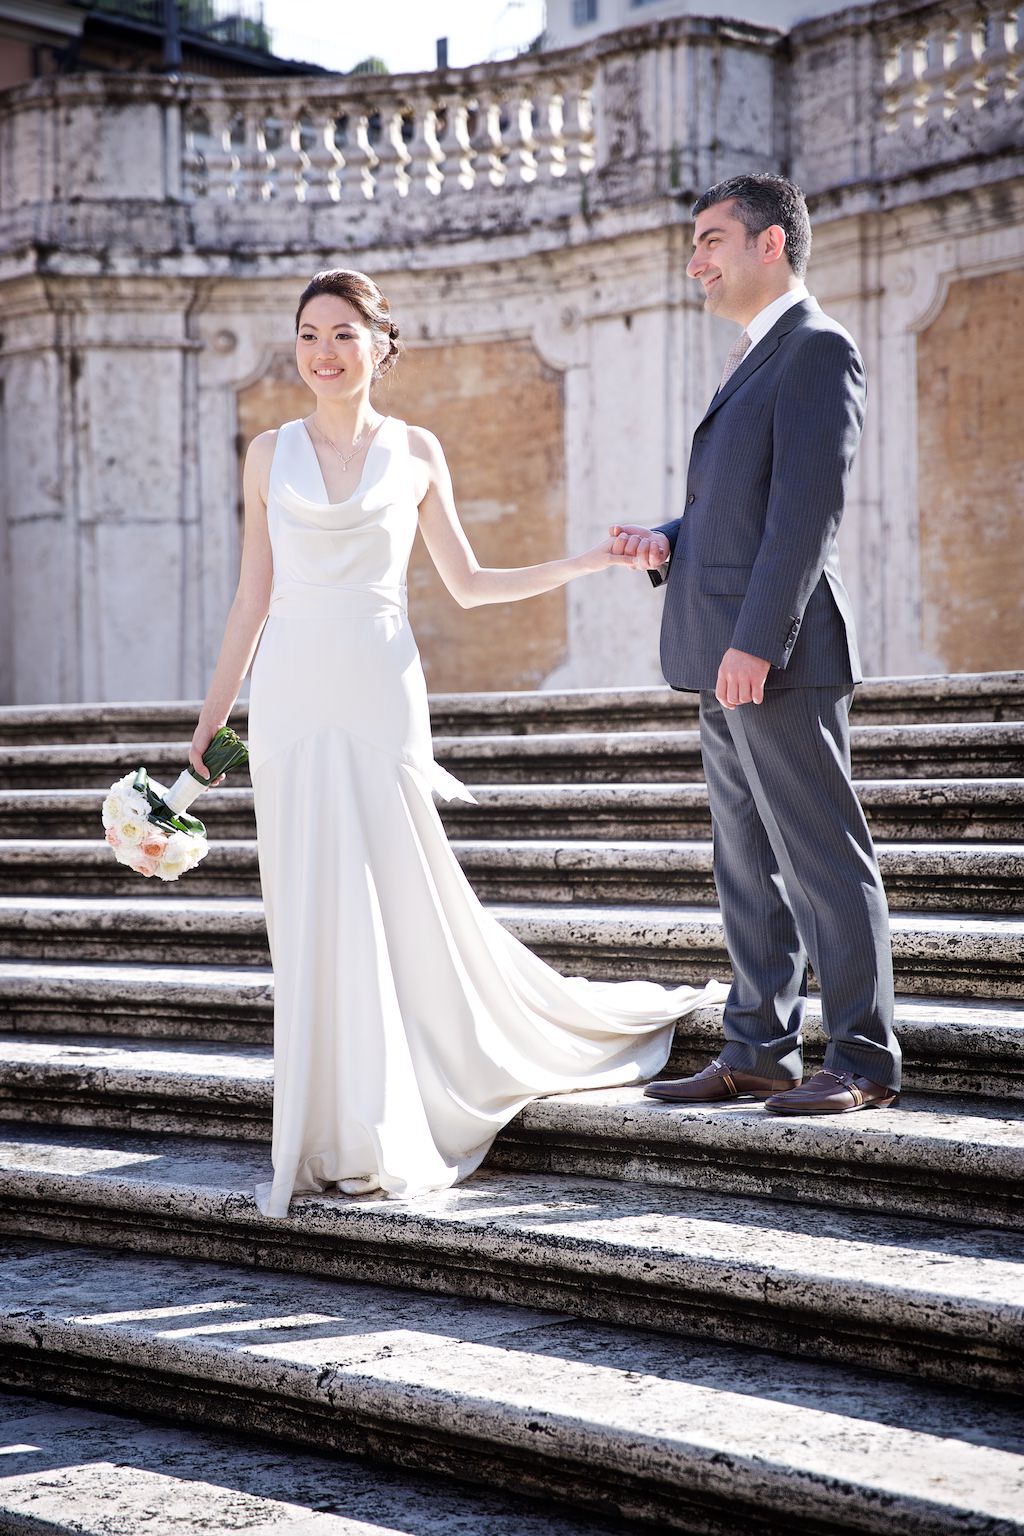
<point>643,549</point>
<point>637,548</point>
<point>741,679</point>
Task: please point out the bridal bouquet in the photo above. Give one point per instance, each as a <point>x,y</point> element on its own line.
<point>145,824</point>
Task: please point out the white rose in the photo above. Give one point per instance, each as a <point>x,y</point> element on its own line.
<point>132,829</point>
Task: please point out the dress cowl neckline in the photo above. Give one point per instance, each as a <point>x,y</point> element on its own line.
<point>325,501</point>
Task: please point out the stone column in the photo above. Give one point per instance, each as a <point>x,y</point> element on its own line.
<point>99,487</point>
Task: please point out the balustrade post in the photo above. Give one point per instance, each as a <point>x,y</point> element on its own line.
<point>965,70</point>
<point>938,102</point>
<point>549,146</point>
<point>324,161</point>
<point>485,142</point>
<point>424,152</point>
<point>578,127</point>
<point>391,177</point>
<point>996,58</point>
<point>220,159</point>
<point>457,174</point>
<point>521,166</point>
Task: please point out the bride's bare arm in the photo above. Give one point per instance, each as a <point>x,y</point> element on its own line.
<point>250,606</point>
<point>470,583</point>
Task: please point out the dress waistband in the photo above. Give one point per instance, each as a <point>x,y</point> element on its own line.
<point>356,602</point>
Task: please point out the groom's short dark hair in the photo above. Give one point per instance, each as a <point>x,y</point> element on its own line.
<point>762,200</point>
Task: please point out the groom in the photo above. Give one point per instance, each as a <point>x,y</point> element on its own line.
<point>757,620</point>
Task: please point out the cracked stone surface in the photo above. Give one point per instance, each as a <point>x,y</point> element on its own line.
<point>95,1473</point>
<point>796,1435</point>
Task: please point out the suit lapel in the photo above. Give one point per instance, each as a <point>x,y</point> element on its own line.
<point>762,351</point>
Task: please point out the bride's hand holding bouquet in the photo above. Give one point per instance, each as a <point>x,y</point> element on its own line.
<point>146,825</point>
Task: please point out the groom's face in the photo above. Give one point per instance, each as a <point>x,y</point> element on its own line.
<point>728,264</point>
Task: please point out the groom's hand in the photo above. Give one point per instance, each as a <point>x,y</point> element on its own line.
<point>741,679</point>
<point>647,550</point>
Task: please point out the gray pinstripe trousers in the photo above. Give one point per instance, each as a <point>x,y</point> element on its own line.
<point>797,878</point>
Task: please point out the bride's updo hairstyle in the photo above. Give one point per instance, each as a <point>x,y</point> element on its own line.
<point>366,298</point>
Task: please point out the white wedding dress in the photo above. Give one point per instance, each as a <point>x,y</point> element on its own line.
<point>409,1027</point>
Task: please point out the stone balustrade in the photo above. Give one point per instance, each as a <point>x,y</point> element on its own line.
<point>374,138</point>
<point>953,77</point>
<point>872,94</point>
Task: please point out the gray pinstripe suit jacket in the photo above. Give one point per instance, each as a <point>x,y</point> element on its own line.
<point>754,559</point>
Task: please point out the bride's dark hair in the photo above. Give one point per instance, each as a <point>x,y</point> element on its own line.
<point>365,297</point>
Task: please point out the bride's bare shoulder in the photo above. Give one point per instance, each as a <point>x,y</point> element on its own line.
<point>261,449</point>
<point>428,460</point>
<point>424,445</point>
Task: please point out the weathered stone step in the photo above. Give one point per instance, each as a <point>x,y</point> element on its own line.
<point>937,877</point>
<point>80,1471</point>
<point>959,1047</point>
<point>975,750</point>
<point>879,700</point>
<point>974,810</point>
<point>917,810</point>
<point>946,1157</point>
<point>934,956</point>
<point>900,1295</point>
<point>618,1419</point>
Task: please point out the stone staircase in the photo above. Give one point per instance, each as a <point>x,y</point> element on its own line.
<point>635,1317</point>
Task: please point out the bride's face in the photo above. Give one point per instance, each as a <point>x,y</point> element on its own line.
<point>334,349</point>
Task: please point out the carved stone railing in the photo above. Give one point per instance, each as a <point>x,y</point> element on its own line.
<point>953,82</point>
<point>882,95</point>
<point>889,97</point>
<point>380,139</point>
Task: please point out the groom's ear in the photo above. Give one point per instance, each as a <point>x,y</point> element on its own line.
<point>773,243</point>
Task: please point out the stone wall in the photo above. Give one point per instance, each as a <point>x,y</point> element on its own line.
<point>971,502</point>
<point>529,222</point>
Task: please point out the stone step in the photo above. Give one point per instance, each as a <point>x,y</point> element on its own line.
<point>943,1157</point>
<point>618,1419</point>
<point>936,877</point>
<point>910,1297</point>
<point>880,700</point>
<point>918,810</point>
<point>82,1471</point>
<point>973,751</point>
<point>949,1046</point>
<point>978,957</point>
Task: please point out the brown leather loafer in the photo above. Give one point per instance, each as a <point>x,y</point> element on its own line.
<point>717,1083</point>
<point>832,1093</point>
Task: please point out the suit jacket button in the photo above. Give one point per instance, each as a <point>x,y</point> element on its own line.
<point>690,499</point>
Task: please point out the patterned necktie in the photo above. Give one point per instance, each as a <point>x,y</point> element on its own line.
<point>734,359</point>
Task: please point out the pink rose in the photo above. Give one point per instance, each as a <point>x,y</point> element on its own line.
<point>112,837</point>
<point>147,866</point>
<point>153,844</point>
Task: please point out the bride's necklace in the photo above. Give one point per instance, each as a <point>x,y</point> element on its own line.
<point>346,458</point>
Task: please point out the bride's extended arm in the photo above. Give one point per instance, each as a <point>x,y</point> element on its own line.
<point>470,583</point>
<point>250,606</point>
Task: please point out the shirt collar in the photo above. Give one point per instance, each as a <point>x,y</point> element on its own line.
<point>763,321</point>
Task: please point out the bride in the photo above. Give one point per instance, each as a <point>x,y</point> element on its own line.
<point>409,1026</point>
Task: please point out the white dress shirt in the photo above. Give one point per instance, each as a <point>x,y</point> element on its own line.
<point>765,318</point>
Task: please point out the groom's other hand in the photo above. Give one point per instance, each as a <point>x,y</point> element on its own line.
<point>741,679</point>
<point>647,550</point>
